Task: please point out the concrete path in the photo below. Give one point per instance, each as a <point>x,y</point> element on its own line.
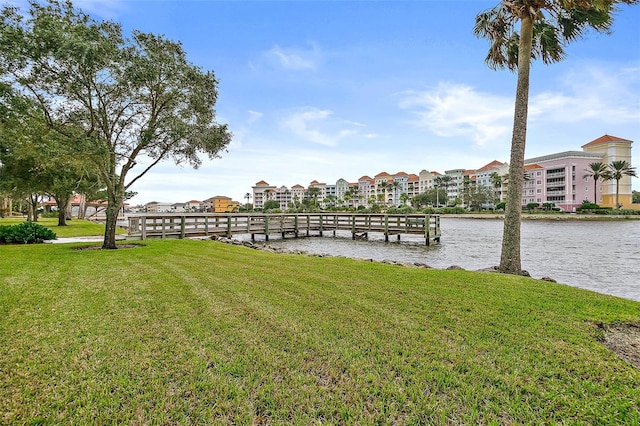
<point>96,239</point>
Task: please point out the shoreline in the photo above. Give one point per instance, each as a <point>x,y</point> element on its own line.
<point>534,216</point>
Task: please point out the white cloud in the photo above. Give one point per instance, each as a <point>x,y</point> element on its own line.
<point>597,98</point>
<point>459,110</point>
<point>295,59</point>
<point>318,126</point>
<point>607,96</point>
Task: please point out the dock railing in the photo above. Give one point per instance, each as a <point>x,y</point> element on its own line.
<point>184,225</point>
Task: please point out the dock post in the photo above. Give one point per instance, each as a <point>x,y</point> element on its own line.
<point>295,226</point>
<point>229,234</point>
<point>144,227</point>
<point>266,228</point>
<point>386,228</point>
<point>321,225</point>
<point>183,220</point>
<point>427,228</point>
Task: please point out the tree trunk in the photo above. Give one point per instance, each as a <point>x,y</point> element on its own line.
<point>115,204</point>
<point>32,216</point>
<point>63,204</point>
<point>617,193</point>
<point>82,207</point>
<point>510,261</point>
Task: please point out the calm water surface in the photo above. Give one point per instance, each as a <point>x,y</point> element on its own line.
<point>599,256</point>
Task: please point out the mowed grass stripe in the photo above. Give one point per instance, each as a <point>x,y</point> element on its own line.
<point>198,332</point>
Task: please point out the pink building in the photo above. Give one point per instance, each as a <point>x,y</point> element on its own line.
<point>559,179</point>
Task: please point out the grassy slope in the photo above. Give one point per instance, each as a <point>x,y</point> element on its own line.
<point>197,332</point>
<point>74,228</point>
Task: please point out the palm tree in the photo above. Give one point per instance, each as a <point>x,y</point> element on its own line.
<point>395,185</point>
<point>617,170</point>
<point>437,183</point>
<point>446,181</point>
<point>546,26</point>
<point>597,171</point>
<point>247,197</point>
<point>496,181</point>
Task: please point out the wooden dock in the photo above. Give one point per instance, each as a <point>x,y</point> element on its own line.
<point>184,225</point>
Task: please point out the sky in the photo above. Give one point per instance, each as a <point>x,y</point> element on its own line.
<point>330,89</point>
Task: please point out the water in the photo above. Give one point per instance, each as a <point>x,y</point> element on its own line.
<point>595,255</point>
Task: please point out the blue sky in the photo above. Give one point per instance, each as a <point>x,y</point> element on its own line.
<point>338,89</point>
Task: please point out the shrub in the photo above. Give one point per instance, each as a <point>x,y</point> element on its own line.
<point>25,233</point>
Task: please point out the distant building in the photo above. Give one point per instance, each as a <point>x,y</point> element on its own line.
<point>556,178</point>
<point>158,207</point>
<point>220,204</point>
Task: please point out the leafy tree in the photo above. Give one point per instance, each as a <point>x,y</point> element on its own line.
<point>546,27</point>
<point>532,206</point>
<point>271,205</point>
<point>446,181</point>
<point>636,197</point>
<point>617,170</point>
<point>597,171</point>
<point>121,100</point>
<point>312,196</point>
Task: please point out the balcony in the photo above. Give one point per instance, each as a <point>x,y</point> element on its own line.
<point>555,175</point>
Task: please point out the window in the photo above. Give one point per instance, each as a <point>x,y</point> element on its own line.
<point>538,182</point>
<point>538,173</point>
<point>539,191</point>
<point>586,188</point>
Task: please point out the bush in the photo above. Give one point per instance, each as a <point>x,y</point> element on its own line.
<point>25,233</point>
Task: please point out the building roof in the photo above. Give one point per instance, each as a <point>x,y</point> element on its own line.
<point>382,174</point>
<point>605,139</point>
<point>365,177</point>
<point>413,177</point>
<point>565,154</point>
<point>492,165</point>
<point>401,174</point>
<point>261,183</point>
<point>533,167</point>
<point>297,185</point>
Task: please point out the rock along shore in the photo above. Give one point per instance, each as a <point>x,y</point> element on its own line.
<point>280,250</point>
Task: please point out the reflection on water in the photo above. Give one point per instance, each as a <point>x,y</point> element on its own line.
<point>599,256</point>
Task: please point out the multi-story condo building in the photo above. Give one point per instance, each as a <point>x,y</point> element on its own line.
<point>613,148</point>
<point>262,192</point>
<point>220,204</point>
<point>297,194</point>
<point>413,185</point>
<point>557,178</point>
<point>454,187</point>
<point>364,189</point>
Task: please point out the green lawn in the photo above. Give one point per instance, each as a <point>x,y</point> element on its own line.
<point>199,332</point>
<point>74,228</point>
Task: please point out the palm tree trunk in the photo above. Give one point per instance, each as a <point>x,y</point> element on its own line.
<point>510,261</point>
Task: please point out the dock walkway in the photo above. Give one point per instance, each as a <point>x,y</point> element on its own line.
<point>184,225</point>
